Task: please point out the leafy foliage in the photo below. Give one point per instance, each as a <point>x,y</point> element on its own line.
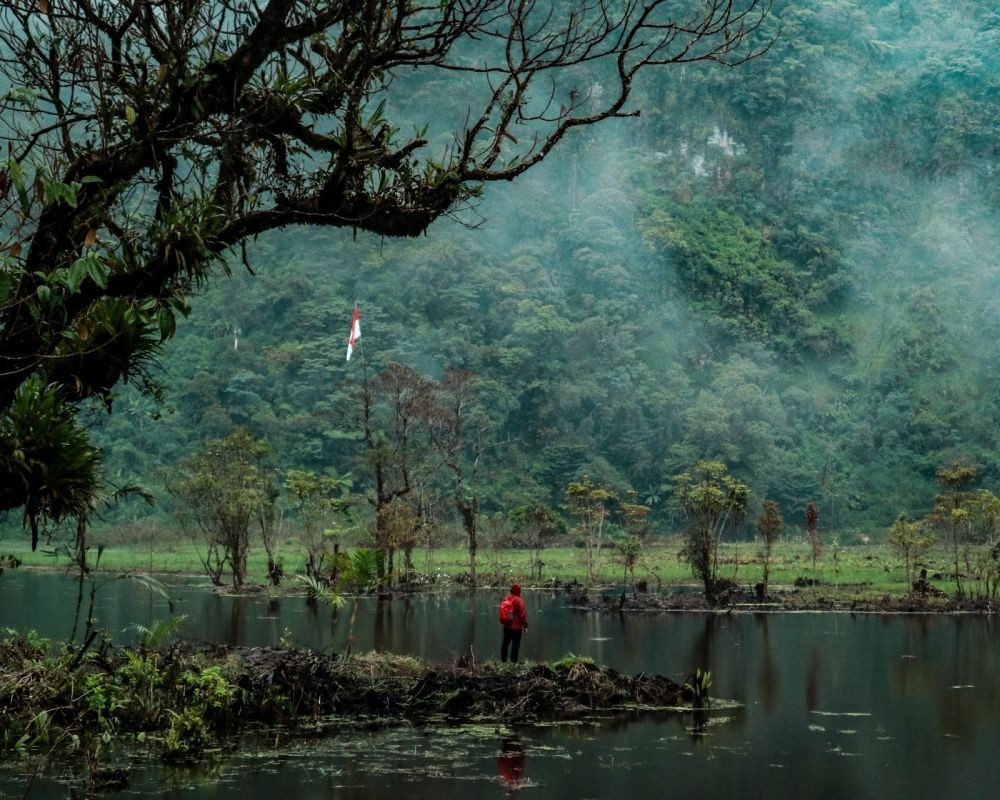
<point>711,502</point>
<point>221,492</point>
<point>911,539</point>
<point>46,456</point>
<point>769,525</point>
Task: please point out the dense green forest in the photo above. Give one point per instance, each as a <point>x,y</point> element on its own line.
<point>789,266</point>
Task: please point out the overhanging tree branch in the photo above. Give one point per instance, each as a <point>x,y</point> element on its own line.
<point>145,138</point>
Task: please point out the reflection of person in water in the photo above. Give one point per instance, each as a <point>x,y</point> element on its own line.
<point>510,763</point>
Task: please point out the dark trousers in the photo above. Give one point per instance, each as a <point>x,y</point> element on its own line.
<point>511,639</point>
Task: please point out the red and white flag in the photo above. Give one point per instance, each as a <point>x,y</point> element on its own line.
<point>355,332</point>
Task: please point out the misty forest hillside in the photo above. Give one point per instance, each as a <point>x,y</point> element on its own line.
<point>790,266</point>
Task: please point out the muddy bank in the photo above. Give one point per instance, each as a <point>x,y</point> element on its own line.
<point>806,594</point>
<point>181,700</point>
<point>399,687</point>
<point>813,598</point>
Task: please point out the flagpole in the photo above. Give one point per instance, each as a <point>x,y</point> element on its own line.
<point>361,351</point>
<point>366,400</point>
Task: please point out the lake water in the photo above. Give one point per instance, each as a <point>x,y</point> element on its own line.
<point>828,705</point>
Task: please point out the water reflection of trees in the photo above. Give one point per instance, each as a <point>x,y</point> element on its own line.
<point>686,723</point>
<point>813,673</point>
<point>703,646</point>
<point>237,630</point>
<point>768,675</point>
<point>394,629</point>
<point>725,631</point>
<point>382,638</point>
<point>955,667</point>
<point>469,639</point>
<point>272,632</point>
<point>434,627</point>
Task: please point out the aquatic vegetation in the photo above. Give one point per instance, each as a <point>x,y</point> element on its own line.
<point>696,688</point>
<point>9,560</point>
<point>570,660</point>
<point>182,700</point>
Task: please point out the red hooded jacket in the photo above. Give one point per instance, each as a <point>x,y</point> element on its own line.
<point>520,621</point>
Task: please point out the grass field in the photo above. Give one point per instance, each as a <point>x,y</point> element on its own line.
<point>855,570</point>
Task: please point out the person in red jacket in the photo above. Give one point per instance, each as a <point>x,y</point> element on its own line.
<point>514,618</point>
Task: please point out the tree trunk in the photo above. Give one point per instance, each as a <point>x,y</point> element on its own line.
<point>958,579</point>
<point>468,513</point>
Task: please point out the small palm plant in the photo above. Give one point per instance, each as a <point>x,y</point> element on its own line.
<point>154,636</point>
<point>696,688</point>
<point>360,576</point>
<point>356,575</point>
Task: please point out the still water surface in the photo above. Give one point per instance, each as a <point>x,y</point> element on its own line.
<point>830,705</point>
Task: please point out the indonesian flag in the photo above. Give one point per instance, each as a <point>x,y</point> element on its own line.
<point>355,332</point>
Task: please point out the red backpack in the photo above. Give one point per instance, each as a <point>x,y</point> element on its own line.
<point>507,611</point>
